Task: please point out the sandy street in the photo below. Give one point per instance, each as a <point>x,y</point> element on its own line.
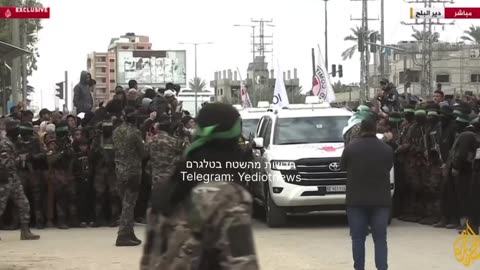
<point>310,243</point>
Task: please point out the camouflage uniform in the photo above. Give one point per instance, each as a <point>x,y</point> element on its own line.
<point>416,172</point>
<point>129,152</point>
<point>104,179</point>
<point>434,180</point>
<point>64,183</point>
<point>30,147</point>
<point>402,187</point>
<point>210,230</point>
<point>163,151</point>
<point>10,183</point>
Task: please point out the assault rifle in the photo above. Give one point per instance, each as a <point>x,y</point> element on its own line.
<point>436,147</point>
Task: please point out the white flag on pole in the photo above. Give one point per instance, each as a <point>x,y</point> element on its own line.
<point>280,97</point>
<point>322,86</point>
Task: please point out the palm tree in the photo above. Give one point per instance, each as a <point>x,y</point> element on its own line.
<point>472,34</point>
<point>197,84</point>
<point>420,34</point>
<point>348,53</point>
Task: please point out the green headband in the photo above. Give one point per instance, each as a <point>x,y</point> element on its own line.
<point>457,112</point>
<point>394,119</point>
<point>462,120</point>
<point>26,128</point>
<point>363,108</point>
<point>420,112</point>
<point>206,134</point>
<point>432,113</point>
<point>408,110</point>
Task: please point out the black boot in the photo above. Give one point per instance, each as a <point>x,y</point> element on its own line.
<point>61,223</point>
<point>127,240</point>
<point>26,234</point>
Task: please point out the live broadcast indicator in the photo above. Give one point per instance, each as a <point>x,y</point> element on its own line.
<point>445,13</point>
<point>24,13</point>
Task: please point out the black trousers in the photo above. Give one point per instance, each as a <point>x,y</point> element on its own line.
<point>449,200</point>
<point>85,199</point>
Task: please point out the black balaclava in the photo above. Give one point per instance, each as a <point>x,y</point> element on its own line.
<point>433,117</point>
<point>26,131</point>
<point>13,129</point>
<point>409,113</point>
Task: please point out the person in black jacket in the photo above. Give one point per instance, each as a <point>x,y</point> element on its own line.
<point>82,171</point>
<point>368,162</point>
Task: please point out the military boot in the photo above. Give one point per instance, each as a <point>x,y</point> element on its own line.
<point>26,234</point>
<point>134,237</point>
<point>441,224</point>
<point>61,223</point>
<point>127,240</point>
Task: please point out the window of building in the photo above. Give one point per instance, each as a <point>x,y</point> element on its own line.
<point>140,47</point>
<point>112,70</point>
<point>103,80</point>
<point>102,90</point>
<point>101,59</point>
<point>414,76</point>
<point>112,81</point>
<point>101,69</point>
<point>112,60</point>
<point>112,91</point>
<point>443,78</point>
<point>475,78</point>
<point>475,53</point>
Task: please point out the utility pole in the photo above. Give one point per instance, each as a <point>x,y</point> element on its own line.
<point>16,68</point>
<point>24,63</point>
<point>382,38</point>
<point>364,55</point>
<point>66,92</point>
<point>326,36</point>
<point>427,44</point>
<point>261,48</point>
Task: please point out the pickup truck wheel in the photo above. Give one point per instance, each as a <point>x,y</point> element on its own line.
<point>275,216</point>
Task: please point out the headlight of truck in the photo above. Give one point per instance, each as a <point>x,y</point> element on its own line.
<point>283,165</point>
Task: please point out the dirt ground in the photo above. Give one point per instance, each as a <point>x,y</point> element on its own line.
<point>310,243</point>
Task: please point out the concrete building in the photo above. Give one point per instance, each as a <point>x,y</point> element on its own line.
<point>454,65</point>
<point>260,82</point>
<point>103,65</point>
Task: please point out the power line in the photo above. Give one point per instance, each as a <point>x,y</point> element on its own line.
<point>364,54</point>
<point>427,43</point>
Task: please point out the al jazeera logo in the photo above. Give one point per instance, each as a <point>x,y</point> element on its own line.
<point>466,247</point>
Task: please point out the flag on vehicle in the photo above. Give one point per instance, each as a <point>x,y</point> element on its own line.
<point>321,81</point>
<point>280,97</point>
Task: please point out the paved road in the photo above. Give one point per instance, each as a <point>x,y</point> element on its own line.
<point>310,243</point>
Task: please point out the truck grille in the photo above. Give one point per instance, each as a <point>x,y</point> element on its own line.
<point>316,172</point>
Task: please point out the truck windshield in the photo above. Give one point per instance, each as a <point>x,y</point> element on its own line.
<point>249,126</point>
<point>310,130</point>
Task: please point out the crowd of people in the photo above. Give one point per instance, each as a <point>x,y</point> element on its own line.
<point>436,161</point>
<point>91,168</point>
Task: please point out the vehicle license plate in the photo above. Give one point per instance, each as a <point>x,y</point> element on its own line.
<point>336,188</point>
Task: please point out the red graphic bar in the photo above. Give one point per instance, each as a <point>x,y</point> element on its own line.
<point>24,13</point>
<point>462,13</point>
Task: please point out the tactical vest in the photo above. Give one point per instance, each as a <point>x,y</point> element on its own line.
<point>106,141</point>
